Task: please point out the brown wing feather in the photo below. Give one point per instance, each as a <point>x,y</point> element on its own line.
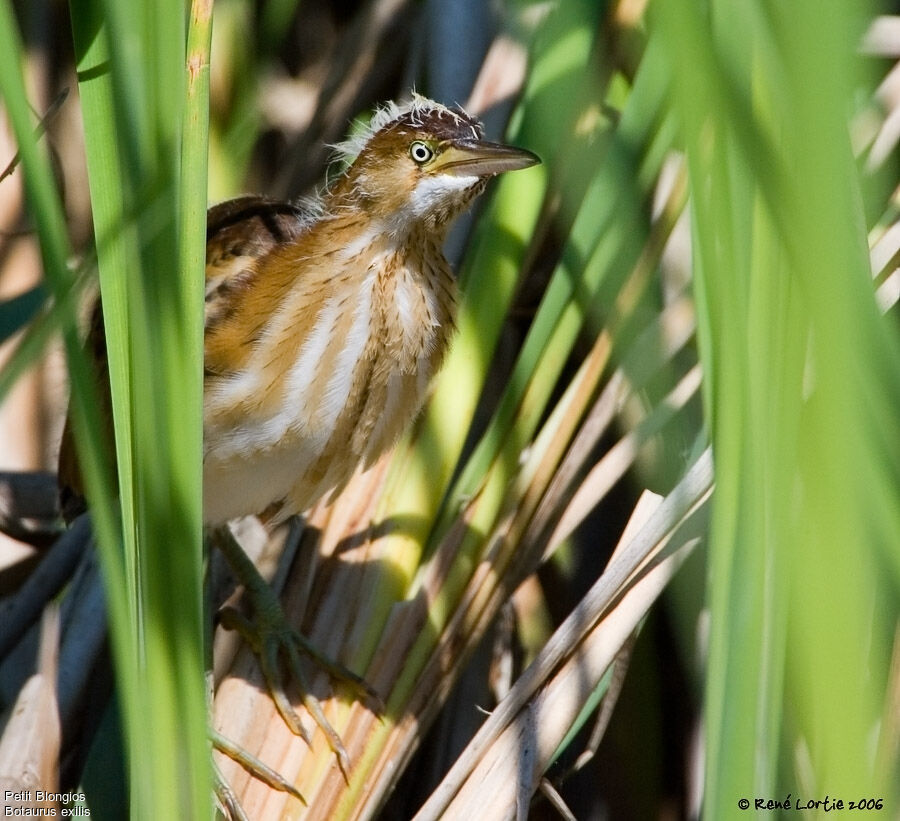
<point>239,233</point>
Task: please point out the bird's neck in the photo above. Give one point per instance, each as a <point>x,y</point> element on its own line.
<point>396,221</point>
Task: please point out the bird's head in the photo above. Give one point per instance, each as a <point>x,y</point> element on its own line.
<point>422,164</point>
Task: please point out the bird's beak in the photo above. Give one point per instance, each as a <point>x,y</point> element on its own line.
<point>479,158</point>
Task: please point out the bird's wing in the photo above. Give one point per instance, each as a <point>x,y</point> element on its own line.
<point>240,232</point>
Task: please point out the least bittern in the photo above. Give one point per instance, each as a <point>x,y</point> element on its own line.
<point>324,327</point>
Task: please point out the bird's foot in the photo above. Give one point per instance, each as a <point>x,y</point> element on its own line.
<point>227,800</point>
<point>273,640</point>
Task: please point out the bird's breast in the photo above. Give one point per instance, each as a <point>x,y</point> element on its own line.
<point>335,375</point>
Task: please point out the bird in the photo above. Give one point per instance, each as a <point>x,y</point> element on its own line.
<point>323,334</point>
<point>325,322</point>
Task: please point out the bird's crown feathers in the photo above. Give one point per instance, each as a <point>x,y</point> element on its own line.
<point>417,114</point>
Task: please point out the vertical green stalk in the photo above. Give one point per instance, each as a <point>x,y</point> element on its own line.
<point>801,380</point>
<point>745,301</point>
<point>145,109</point>
<point>847,564</point>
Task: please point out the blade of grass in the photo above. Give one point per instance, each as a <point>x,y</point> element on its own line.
<point>148,209</point>
<point>782,281</point>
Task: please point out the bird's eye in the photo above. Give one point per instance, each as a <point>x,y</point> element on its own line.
<point>420,152</point>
